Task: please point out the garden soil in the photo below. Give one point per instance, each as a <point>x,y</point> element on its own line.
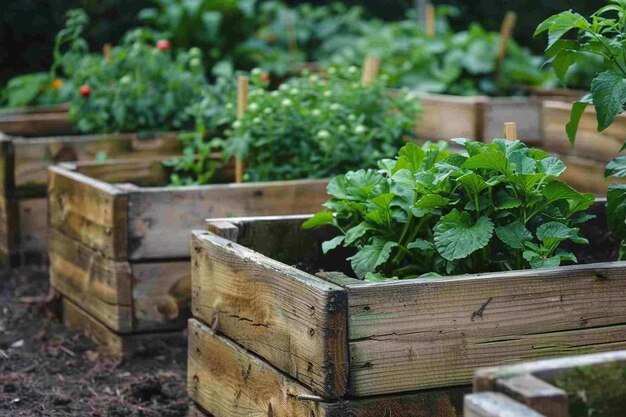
<point>47,370</point>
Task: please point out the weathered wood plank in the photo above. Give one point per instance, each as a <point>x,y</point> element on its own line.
<point>445,117</point>
<point>33,156</point>
<point>548,369</point>
<point>8,228</point>
<point>290,318</point>
<point>600,146</point>
<point>524,111</point>
<point>33,229</point>
<point>586,175</point>
<point>493,404</point>
<point>433,332</point>
<point>227,381</point>
<point>535,394</point>
<point>144,172</point>
<point>99,285</point>
<point>90,211</point>
<point>113,343</point>
<point>161,295</point>
<point>160,218</point>
<point>35,123</point>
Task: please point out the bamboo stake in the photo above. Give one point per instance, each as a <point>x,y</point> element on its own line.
<point>430,20</point>
<point>508,24</point>
<point>510,131</point>
<point>242,104</point>
<point>371,67</point>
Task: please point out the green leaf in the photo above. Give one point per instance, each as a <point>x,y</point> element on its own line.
<point>356,232</point>
<point>368,258</point>
<point>578,109</point>
<point>456,236</point>
<point>608,91</point>
<point>553,230</point>
<point>616,210</point>
<point>473,182</point>
<point>321,218</point>
<point>380,209</point>
<point>429,204</point>
<point>552,166</point>
<point>563,61</point>
<point>558,190</point>
<point>538,262</point>
<point>492,160</point>
<point>332,244</point>
<point>412,157</point>
<point>421,244</point>
<point>514,235</point>
<point>616,168</point>
<point>563,23</point>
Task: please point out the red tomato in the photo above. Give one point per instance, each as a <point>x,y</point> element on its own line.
<point>163,44</point>
<point>85,91</point>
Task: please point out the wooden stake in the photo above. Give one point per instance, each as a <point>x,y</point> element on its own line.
<point>510,131</point>
<point>242,104</point>
<point>508,24</point>
<point>371,67</point>
<point>430,20</point>
<point>106,52</point>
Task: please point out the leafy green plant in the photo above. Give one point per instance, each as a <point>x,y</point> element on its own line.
<point>312,127</point>
<point>494,207</point>
<point>603,35</point>
<point>139,85</point>
<point>36,89</point>
<point>462,63</point>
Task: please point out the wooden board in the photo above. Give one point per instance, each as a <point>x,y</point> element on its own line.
<point>33,230</point>
<point>585,175</point>
<point>113,343</point>
<point>493,404</point>
<point>591,144</point>
<point>160,218</point>
<point>91,212</point>
<point>302,335</point>
<point>8,229</point>
<point>524,111</point>
<point>405,335</point>
<point>36,123</point>
<point>227,381</point>
<point>445,117</point>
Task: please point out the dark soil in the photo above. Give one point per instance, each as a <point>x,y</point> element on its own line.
<point>46,370</point>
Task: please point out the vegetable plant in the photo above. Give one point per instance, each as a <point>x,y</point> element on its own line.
<point>493,207</point>
<point>462,63</point>
<point>36,89</point>
<point>313,127</point>
<point>138,85</point>
<point>602,35</point>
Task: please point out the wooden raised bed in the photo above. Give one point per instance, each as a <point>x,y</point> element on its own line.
<point>119,238</point>
<point>593,149</point>
<point>528,389</point>
<point>36,121</point>
<point>24,166</point>
<point>344,338</point>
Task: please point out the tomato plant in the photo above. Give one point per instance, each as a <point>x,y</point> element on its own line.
<point>602,35</point>
<point>36,89</point>
<point>493,207</point>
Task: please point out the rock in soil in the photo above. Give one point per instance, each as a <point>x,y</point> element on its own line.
<point>46,370</point>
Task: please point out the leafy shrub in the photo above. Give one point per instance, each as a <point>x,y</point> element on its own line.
<point>494,207</point>
<point>135,87</point>
<point>36,89</point>
<point>313,127</point>
<point>462,63</point>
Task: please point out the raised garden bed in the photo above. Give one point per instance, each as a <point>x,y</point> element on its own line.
<point>563,387</point>
<point>119,250</point>
<point>24,179</point>
<point>36,121</point>
<point>593,149</point>
<point>345,338</point>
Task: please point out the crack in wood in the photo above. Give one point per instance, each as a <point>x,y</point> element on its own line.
<point>481,310</point>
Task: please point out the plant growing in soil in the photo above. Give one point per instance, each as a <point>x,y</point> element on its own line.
<point>138,85</point>
<point>36,89</point>
<point>493,207</point>
<point>313,127</point>
<point>462,63</point>
<point>603,35</point>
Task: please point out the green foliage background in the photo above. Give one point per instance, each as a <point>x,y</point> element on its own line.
<point>27,27</point>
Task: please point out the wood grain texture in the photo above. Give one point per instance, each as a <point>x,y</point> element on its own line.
<point>586,175</point>
<point>33,230</point>
<point>100,286</point>
<point>524,111</point>
<point>494,404</point>
<point>599,146</point>
<point>115,344</point>
<point>294,320</point>
<point>8,228</point>
<point>228,381</point>
<point>535,394</point>
<point>444,117</point>
<point>433,332</point>
<point>30,123</point>
<point>161,295</point>
<point>89,211</point>
<point>160,218</point>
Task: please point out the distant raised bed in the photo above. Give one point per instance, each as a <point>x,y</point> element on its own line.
<point>36,121</point>
<point>24,166</point>
<point>344,338</point>
<point>119,239</point>
<point>563,387</point>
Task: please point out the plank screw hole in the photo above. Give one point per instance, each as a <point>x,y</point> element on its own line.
<point>311,332</point>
